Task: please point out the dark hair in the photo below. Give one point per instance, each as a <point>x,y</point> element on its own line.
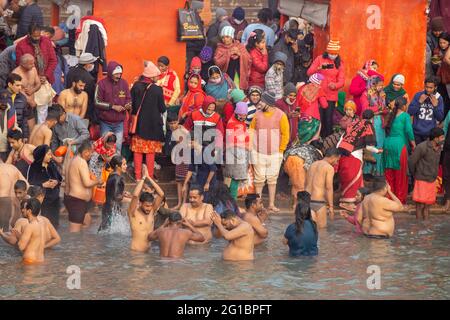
<point>265,15</point>
<point>251,199</point>
<point>78,78</point>
<point>33,205</point>
<point>54,112</point>
<point>12,78</point>
<point>433,79</point>
<point>111,139</point>
<point>34,27</point>
<point>172,117</point>
<point>368,114</point>
<point>85,145</point>
<point>146,197</point>
<point>317,144</point>
<point>175,217</point>
<point>220,193</point>
<point>293,24</point>
<point>337,61</point>
<point>196,188</point>
<point>20,185</point>
<point>436,132</point>
<point>58,107</point>
<point>364,191</point>
<point>257,38</point>
<point>214,69</point>
<point>35,191</point>
<point>399,102</point>
<point>116,161</point>
<point>378,183</point>
<point>303,212</point>
<point>14,134</point>
<point>445,35</point>
<point>374,63</point>
<point>49,30</point>
<point>332,152</point>
<point>229,214</point>
<point>164,60</point>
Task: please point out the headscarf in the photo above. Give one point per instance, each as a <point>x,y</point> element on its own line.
<point>363,72</point>
<point>208,100</point>
<point>39,153</point>
<point>218,90</point>
<point>100,148</point>
<point>195,63</point>
<point>373,95</point>
<point>195,96</point>
<point>391,94</point>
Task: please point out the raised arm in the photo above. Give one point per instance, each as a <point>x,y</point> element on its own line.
<point>135,197</point>
<point>195,235</point>
<point>234,234</point>
<point>258,227</point>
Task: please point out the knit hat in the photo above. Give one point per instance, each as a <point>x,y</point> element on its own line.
<point>268,98</point>
<point>227,31</point>
<point>316,78</point>
<point>241,108</point>
<point>437,24</point>
<point>350,104</point>
<point>280,57</point>
<point>289,88</point>
<point>206,54</point>
<point>399,78</point>
<point>223,24</point>
<point>117,70</point>
<point>257,89</point>
<point>237,95</point>
<point>196,63</point>
<point>239,13</point>
<point>333,47</point>
<point>221,12</point>
<point>150,70</point>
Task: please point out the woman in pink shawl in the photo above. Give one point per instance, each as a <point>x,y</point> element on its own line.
<point>359,83</point>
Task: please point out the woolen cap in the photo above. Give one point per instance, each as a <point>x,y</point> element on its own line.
<point>268,98</point>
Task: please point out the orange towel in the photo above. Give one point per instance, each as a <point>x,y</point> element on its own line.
<point>424,192</point>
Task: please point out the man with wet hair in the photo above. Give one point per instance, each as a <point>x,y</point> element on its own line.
<point>141,212</point>
<point>256,215</point>
<point>173,238</point>
<point>319,184</point>
<point>378,210</point>
<point>197,213</point>
<point>42,133</point>
<point>238,232</point>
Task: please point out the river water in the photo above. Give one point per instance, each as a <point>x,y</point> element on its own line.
<point>414,264</point>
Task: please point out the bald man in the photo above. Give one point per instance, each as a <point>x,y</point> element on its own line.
<point>31,83</point>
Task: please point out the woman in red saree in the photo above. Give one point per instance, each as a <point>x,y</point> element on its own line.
<point>360,135</point>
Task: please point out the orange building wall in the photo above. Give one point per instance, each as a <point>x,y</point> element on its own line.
<point>141,30</point>
<point>398,47</point>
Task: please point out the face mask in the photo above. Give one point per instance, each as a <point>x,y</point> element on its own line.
<point>290,101</point>
<point>332,56</point>
<point>91,68</point>
<point>238,21</point>
<point>196,71</point>
<point>215,81</point>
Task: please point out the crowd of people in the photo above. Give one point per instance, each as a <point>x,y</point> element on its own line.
<point>257,108</point>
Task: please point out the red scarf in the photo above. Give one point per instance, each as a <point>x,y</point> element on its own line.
<point>168,84</point>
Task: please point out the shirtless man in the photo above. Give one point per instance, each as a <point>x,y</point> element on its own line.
<point>319,183</point>
<point>21,154</point>
<point>141,212</point>
<point>239,233</point>
<point>32,241</point>
<point>172,238</point>
<point>256,215</point>
<point>52,237</point>
<point>42,134</point>
<point>378,211</point>
<point>78,191</point>
<point>198,213</point>
<point>31,83</point>
<point>75,99</point>
<point>9,176</point>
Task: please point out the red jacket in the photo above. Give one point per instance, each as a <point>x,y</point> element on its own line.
<point>222,58</point>
<point>48,54</point>
<point>336,76</point>
<point>260,65</point>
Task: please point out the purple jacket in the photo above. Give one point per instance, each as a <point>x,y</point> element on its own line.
<point>109,93</point>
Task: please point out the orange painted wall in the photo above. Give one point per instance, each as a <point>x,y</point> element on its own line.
<point>141,30</point>
<point>398,47</point>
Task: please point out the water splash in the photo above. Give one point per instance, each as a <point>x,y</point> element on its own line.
<point>119,221</point>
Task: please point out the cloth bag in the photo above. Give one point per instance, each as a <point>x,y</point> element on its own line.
<point>189,25</point>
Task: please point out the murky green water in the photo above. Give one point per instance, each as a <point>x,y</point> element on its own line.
<point>415,264</point>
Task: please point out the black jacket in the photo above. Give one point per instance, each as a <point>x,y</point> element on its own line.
<point>96,46</point>
<point>37,175</point>
<point>150,123</point>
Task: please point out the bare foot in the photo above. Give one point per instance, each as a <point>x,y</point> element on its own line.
<point>273,209</point>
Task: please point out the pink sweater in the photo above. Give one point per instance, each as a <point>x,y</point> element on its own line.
<point>336,76</point>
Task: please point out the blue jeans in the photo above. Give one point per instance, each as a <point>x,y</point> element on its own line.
<point>117,129</point>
